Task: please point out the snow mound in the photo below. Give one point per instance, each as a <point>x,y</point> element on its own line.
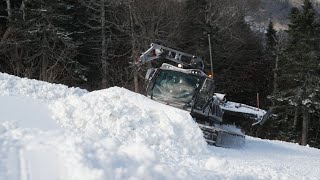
<point>107,134</point>
<point>50,131</point>
<point>15,86</point>
<point>130,118</point>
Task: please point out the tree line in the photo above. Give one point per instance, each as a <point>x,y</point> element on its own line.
<point>92,44</point>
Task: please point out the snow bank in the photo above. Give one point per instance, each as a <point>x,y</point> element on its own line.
<point>54,132</point>
<point>130,118</point>
<point>131,129</point>
<point>108,134</point>
<point>15,86</point>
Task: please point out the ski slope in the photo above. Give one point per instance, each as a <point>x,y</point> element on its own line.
<point>53,132</point>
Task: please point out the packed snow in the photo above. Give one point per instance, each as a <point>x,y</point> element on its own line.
<point>50,131</point>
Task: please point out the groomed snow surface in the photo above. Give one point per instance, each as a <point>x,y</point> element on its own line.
<point>52,132</point>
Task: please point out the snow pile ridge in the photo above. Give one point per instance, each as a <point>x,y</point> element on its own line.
<point>15,86</point>
<point>130,118</point>
<point>117,134</point>
<point>125,135</point>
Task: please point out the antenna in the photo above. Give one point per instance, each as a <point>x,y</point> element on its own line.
<point>210,56</point>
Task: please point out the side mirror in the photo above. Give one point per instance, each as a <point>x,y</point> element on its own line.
<point>150,73</point>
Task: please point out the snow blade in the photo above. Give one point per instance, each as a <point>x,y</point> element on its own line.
<point>264,118</point>
<point>222,138</point>
<point>230,140</point>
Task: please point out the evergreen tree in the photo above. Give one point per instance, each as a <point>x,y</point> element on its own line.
<point>278,127</point>
<point>194,28</point>
<point>235,48</point>
<point>271,39</point>
<point>271,58</point>
<point>300,71</point>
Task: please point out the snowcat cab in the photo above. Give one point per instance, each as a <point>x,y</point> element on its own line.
<point>187,87</point>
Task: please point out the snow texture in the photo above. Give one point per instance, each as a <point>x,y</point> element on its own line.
<point>50,131</point>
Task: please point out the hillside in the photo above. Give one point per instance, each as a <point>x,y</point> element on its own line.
<point>262,11</point>
<point>50,131</point>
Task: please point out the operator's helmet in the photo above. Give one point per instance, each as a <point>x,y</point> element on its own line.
<point>197,63</point>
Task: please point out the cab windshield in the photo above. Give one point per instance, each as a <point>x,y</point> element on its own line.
<point>175,85</point>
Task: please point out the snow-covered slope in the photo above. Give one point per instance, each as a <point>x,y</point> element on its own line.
<point>260,12</point>
<point>54,132</point>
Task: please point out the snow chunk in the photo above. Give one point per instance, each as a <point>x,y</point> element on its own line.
<point>214,163</point>
<point>306,101</point>
<point>139,152</point>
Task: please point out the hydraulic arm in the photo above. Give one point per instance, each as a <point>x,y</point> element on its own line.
<point>157,51</point>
